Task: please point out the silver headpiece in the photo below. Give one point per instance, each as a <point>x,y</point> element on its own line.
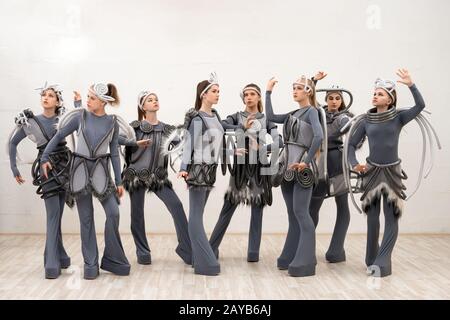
<point>55,88</point>
<point>212,81</point>
<point>303,80</point>
<point>249,88</point>
<point>101,90</point>
<point>386,85</point>
<point>143,95</point>
<point>334,89</point>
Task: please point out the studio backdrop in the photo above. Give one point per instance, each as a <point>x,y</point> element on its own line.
<point>169,46</point>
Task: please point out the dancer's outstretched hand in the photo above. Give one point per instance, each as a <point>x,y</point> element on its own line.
<point>405,77</point>
<point>76,96</point>
<point>272,82</point>
<point>320,75</point>
<point>20,180</point>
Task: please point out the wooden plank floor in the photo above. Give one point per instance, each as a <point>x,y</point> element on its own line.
<point>420,271</point>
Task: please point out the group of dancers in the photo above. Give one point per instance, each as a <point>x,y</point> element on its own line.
<point>313,159</point>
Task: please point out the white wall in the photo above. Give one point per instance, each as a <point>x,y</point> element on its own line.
<point>169,46</point>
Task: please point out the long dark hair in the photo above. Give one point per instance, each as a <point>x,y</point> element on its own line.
<point>312,96</point>
<point>112,92</point>
<point>394,102</point>
<point>200,87</point>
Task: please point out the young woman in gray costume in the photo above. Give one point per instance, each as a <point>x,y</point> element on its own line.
<point>337,116</point>
<point>382,175</point>
<point>303,134</point>
<point>204,147</point>
<point>249,184</point>
<point>40,129</point>
<point>97,148</point>
<point>146,170</point>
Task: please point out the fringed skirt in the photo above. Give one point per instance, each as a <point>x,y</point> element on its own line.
<point>383,180</point>
<point>248,186</point>
<point>91,176</point>
<point>152,181</point>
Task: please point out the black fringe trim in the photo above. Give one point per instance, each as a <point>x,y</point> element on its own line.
<point>89,189</point>
<point>151,185</point>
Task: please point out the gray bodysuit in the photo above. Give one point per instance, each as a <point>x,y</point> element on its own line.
<point>248,184</point>
<point>96,150</point>
<point>146,170</point>
<point>201,155</point>
<point>334,187</point>
<point>40,130</point>
<point>383,178</point>
<point>302,137</point>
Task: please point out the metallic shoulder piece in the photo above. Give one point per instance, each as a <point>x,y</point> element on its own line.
<point>168,129</point>
<point>135,124</point>
<point>22,117</point>
<point>377,117</point>
<point>190,114</point>
<point>146,127</point>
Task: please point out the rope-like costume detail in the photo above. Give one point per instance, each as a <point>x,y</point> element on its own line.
<point>309,176</point>
<point>153,178</point>
<point>386,179</point>
<point>247,185</point>
<point>202,174</point>
<point>58,178</point>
